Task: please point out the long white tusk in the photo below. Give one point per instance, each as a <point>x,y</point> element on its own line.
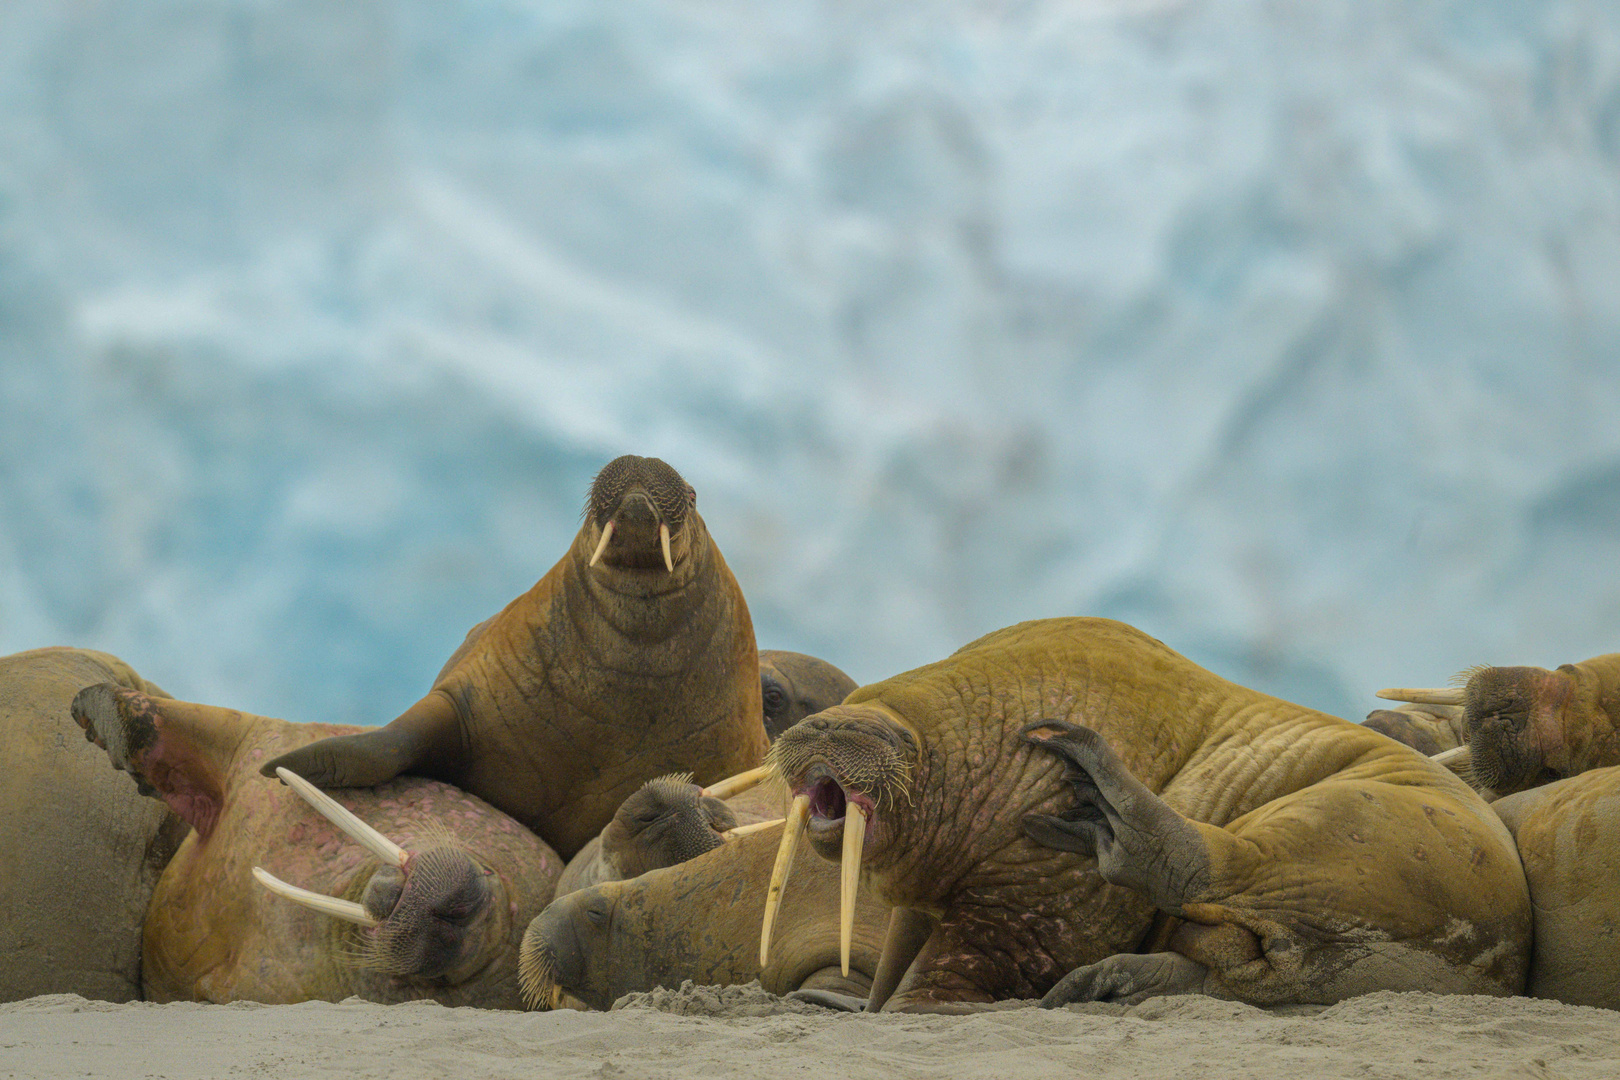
<point>347,910</point>
<point>1457,755</point>
<point>1446,695</point>
<point>744,830</point>
<point>849,879</point>
<point>601,545</point>
<point>798,815</point>
<point>373,841</point>
<point>736,785</point>
<point>663,540</point>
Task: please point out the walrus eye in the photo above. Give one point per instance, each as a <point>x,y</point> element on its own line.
<point>774,699</point>
<point>596,911</point>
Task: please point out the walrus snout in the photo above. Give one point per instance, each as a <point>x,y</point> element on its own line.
<point>554,962</point>
<point>1511,716</point>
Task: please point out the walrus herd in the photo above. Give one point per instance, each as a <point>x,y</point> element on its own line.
<point>609,788</point>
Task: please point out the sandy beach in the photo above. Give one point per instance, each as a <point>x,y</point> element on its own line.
<point>741,1032</point>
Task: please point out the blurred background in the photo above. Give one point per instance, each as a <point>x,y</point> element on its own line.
<point>1288,331</point>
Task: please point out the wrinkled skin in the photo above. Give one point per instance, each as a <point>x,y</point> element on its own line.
<point>451,920</point>
<point>794,685</point>
<point>699,920</point>
<point>80,850</point>
<point>596,680</point>
<point>1568,834</point>
<point>1251,848</point>
<point>666,821</point>
<point>1524,726</point>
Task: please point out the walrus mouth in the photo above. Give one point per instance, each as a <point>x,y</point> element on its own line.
<point>828,810</point>
<point>387,852</point>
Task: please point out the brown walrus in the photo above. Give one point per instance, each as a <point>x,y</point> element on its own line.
<point>632,658</point>
<point>1255,849</point>
<point>699,920</point>
<point>793,685</point>
<point>431,889</point>
<point>1568,834</point>
<point>667,820</point>
<point>80,850</point>
<point>1523,726</point>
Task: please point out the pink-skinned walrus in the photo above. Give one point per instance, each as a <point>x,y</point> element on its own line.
<point>431,902</point>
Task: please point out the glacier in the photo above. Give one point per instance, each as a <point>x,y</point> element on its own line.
<point>1288,332</point>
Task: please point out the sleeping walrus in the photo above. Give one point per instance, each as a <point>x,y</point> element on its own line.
<point>632,658</point>
<point>424,895</point>
<point>1067,795</point>
<point>1523,726</point>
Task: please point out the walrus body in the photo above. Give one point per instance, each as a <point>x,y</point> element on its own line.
<point>632,658</point>
<point>447,923</point>
<point>1568,834</point>
<point>80,850</point>
<point>1255,849</point>
<point>699,920</point>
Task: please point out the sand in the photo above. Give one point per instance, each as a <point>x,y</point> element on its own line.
<point>743,1032</point>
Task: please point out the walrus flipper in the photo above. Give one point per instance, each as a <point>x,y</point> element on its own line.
<point>1129,979</point>
<point>424,740</point>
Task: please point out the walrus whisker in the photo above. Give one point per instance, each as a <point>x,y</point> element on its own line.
<point>745,830</point>
<point>736,785</point>
<point>797,819</point>
<point>663,542</point>
<point>347,910</point>
<point>849,879</point>
<point>601,545</point>
<point>367,837</point>
<point>1447,695</point>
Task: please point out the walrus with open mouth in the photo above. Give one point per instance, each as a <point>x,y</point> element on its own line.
<point>632,658</point>
<point>1522,726</point>
<point>1070,799</point>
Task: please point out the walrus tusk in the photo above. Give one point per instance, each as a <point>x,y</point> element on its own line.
<point>744,830</point>
<point>373,841</point>
<point>849,879</point>
<point>663,541</point>
<point>797,817</point>
<point>347,910</point>
<point>1447,695</point>
<point>601,545</point>
<point>1457,755</point>
<point>736,785</point>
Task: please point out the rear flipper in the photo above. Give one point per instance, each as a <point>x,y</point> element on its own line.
<point>1130,978</point>
<point>424,740</point>
<point>828,999</point>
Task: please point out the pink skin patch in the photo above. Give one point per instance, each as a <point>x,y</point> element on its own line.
<point>182,779</point>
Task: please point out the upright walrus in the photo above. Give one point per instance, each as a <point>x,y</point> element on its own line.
<point>632,658</point>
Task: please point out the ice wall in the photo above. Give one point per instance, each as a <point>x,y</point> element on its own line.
<point>1289,332</point>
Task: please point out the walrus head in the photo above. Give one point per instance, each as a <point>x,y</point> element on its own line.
<point>638,509</point>
<point>848,770</point>
<point>665,821</point>
<point>433,914</point>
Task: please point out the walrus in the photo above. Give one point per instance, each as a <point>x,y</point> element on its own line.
<point>632,658</point>
<point>1524,726</point>
<point>80,850</point>
<point>424,893</point>
<point>699,920</point>
<point>793,685</point>
<point>1059,798</point>
<point>1568,834</point>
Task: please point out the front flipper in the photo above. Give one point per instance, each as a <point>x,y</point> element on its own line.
<point>1139,841</point>
<point>424,740</point>
<point>1129,978</point>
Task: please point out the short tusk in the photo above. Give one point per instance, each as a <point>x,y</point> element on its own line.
<point>798,816</point>
<point>1446,695</point>
<point>849,878</point>
<point>663,541</point>
<point>1457,755</point>
<point>744,830</point>
<point>373,841</point>
<point>347,910</point>
<point>601,545</point>
<point>736,785</point>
